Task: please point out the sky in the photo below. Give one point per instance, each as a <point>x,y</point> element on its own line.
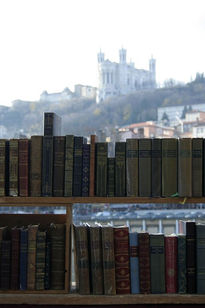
<point>53,44</point>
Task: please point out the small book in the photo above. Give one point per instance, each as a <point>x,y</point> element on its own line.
<point>134,262</point>
<point>171,263</point>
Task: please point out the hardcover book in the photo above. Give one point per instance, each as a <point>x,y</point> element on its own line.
<point>134,262</point>
<point>15,257</point>
<point>181,261</point>
<point>101,169</point>
<point>185,167</point>
<point>23,258</point>
<point>23,167</point>
<point>13,167</point>
<point>197,167</point>
<point>86,170</point>
<point>68,181</point>
<point>171,264</point>
<point>31,265</point>
<point>200,256</point>
<point>92,166</point>
<point>120,169</point>
<point>111,176</point>
<point>52,124</point>
<point>47,167</point>
<point>40,259</point>
<point>145,147</point>
<point>77,166</point>
<point>156,154</point>
<point>144,263</point>
<point>132,167</point>
<point>35,165</point>
<point>58,165</point>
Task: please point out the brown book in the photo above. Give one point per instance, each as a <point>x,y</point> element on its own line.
<point>23,167</point>
<point>58,165</point>
<point>171,264</point>
<point>13,167</point>
<point>122,264</point>
<point>92,166</point>
<point>2,167</point>
<point>31,265</point>
<point>132,167</point>
<point>15,257</point>
<point>35,165</point>
<point>144,263</point>
<point>197,167</point>
<point>108,260</point>
<point>185,167</point>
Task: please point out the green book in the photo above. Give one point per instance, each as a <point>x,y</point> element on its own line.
<point>111,176</point>
<point>185,167</point>
<point>200,257</point>
<point>101,169</point>
<point>197,167</point>
<point>132,167</point>
<point>68,180</point>
<point>145,147</point>
<point>120,169</point>
<point>182,281</point>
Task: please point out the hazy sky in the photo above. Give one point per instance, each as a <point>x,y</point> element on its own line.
<point>53,44</point>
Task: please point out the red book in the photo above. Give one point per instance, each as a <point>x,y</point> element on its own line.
<point>23,167</point>
<point>171,264</point>
<point>144,263</point>
<point>122,260</point>
<point>92,166</point>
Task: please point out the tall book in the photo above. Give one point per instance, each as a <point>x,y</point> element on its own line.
<point>101,169</point>
<point>86,170</point>
<point>169,167</point>
<point>47,167</point>
<point>156,155</point>
<point>58,165</point>
<point>31,265</point>
<point>200,256</point>
<point>77,166</point>
<point>68,180</point>
<point>52,124</point>
<point>15,257</point>
<point>35,165</point>
<point>13,167</point>
<point>197,167</point>
<point>181,262</point>
<point>145,147</point>
<point>111,176</point>
<point>40,259</point>
<point>82,256</point>
<point>171,263</point>
<point>157,263</point>
<point>191,256</point>
<point>132,167</point>
<point>23,258</point>
<point>144,263</point>
<point>108,260</point>
<point>185,167</point>
<point>3,167</point>
<point>122,260</point>
<point>92,166</point>
<point>24,167</point>
<point>120,169</point>
<point>95,240</point>
<point>134,262</point>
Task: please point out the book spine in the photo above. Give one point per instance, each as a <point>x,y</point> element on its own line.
<point>101,169</point>
<point>13,167</point>
<point>132,167</point>
<point>36,165</point>
<point>185,167</point>
<point>5,264</point>
<point>171,264</point>
<point>120,169</point>
<point>144,263</point>
<point>68,181</point>
<point>156,167</point>
<point>47,167</point>
<point>2,167</point>
<point>23,167</point>
<point>58,165</point>
<point>191,256</point>
<point>15,257</point>
<point>77,166</point>
<point>23,258</point>
<point>86,170</point>
<point>47,281</point>
<point>31,265</point>
<point>145,167</point>
<point>182,281</point>
<point>40,259</point>
<point>197,167</point>
<point>48,123</point>
<point>134,263</point>
<point>92,166</point>
<point>200,253</point>
<point>111,176</point>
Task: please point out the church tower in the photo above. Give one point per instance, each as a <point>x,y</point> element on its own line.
<point>101,57</point>
<point>122,54</point>
<point>152,69</point>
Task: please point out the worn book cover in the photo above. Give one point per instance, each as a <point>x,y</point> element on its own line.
<point>197,167</point>
<point>185,167</point>
<point>171,264</point>
<point>145,147</point>
<point>144,263</point>
<point>24,167</point>
<point>35,165</point>
<point>68,180</point>
<point>132,167</point>
<point>101,169</point>
<point>13,167</point>
<point>58,165</point>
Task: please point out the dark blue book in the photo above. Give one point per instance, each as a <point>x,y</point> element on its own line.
<point>77,166</point>
<point>23,258</point>
<point>134,263</point>
<point>86,170</point>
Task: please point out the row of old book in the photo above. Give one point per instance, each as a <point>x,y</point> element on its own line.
<point>68,166</point>
<point>112,260</point>
<point>32,258</point>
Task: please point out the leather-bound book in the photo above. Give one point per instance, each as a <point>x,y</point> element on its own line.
<point>31,265</point>
<point>58,165</point>
<point>132,167</point>
<point>200,257</point>
<point>78,166</point>
<point>101,169</point>
<point>47,282</point>
<point>35,165</point>
<point>185,167</point>
<point>23,258</point>
<point>92,166</point>
<point>156,167</point>
<point>181,262</point>
<point>52,124</point>
<point>191,256</point>
<point>86,170</point>
<point>111,176</point>
<point>120,169</point>
<point>197,167</point>
<point>3,167</point>
<point>169,167</point>
<point>108,260</point>
<point>134,262</point>
<point>40,259</point>
<point>145,147</point>
<point>5,265</point>
<point>13,167</point>
<point>95,240</point>
<point>157,263</point>
<point>47,167</point>
<point>144,263</point>
<point>171,263</point>
<point>23,167</point>
<point>82,256</point>
<point>15,257</point>
<point>68,181</point>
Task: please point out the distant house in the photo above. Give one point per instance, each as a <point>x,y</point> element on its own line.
<point>66,94</point>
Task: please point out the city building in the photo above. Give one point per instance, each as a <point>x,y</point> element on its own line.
<point>66,94</point>
<point>85,91</point>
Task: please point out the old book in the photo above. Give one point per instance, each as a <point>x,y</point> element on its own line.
<point>47,167</point>
<point>40,259</point>
<point>47,282</point>
<point>78,166</point>
<point>156,155</point>
<point>82,256</point>
<point>15,257</point>
<point>144,262</point>
<point>200,257</point>
<point>35,165</point>
<point>108,260</point>
<point>169,167</point>
<point>68,180</point>
<point>197,167</point>
<point>101,169</point>
<point>185,167</point>
<point>23,167</point>
<point>111,176</point>
<point>120,169</point>
<point>5,264</point>
<point>191,256</point>
<point>58,165</point>
<point>23,258</point>
<point>86,170</point>
<point>92,166</point>
<point>145,147</point>
<point>13,167</point>
<point>52,124</point>
<point>181,262</point>
<point>95,240</point>
<point>132,167</point>
<point>157,263</point>
<point>134,262</point>
<point>31,265</point>
<point>171,263</point>
<point>3,166</point>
